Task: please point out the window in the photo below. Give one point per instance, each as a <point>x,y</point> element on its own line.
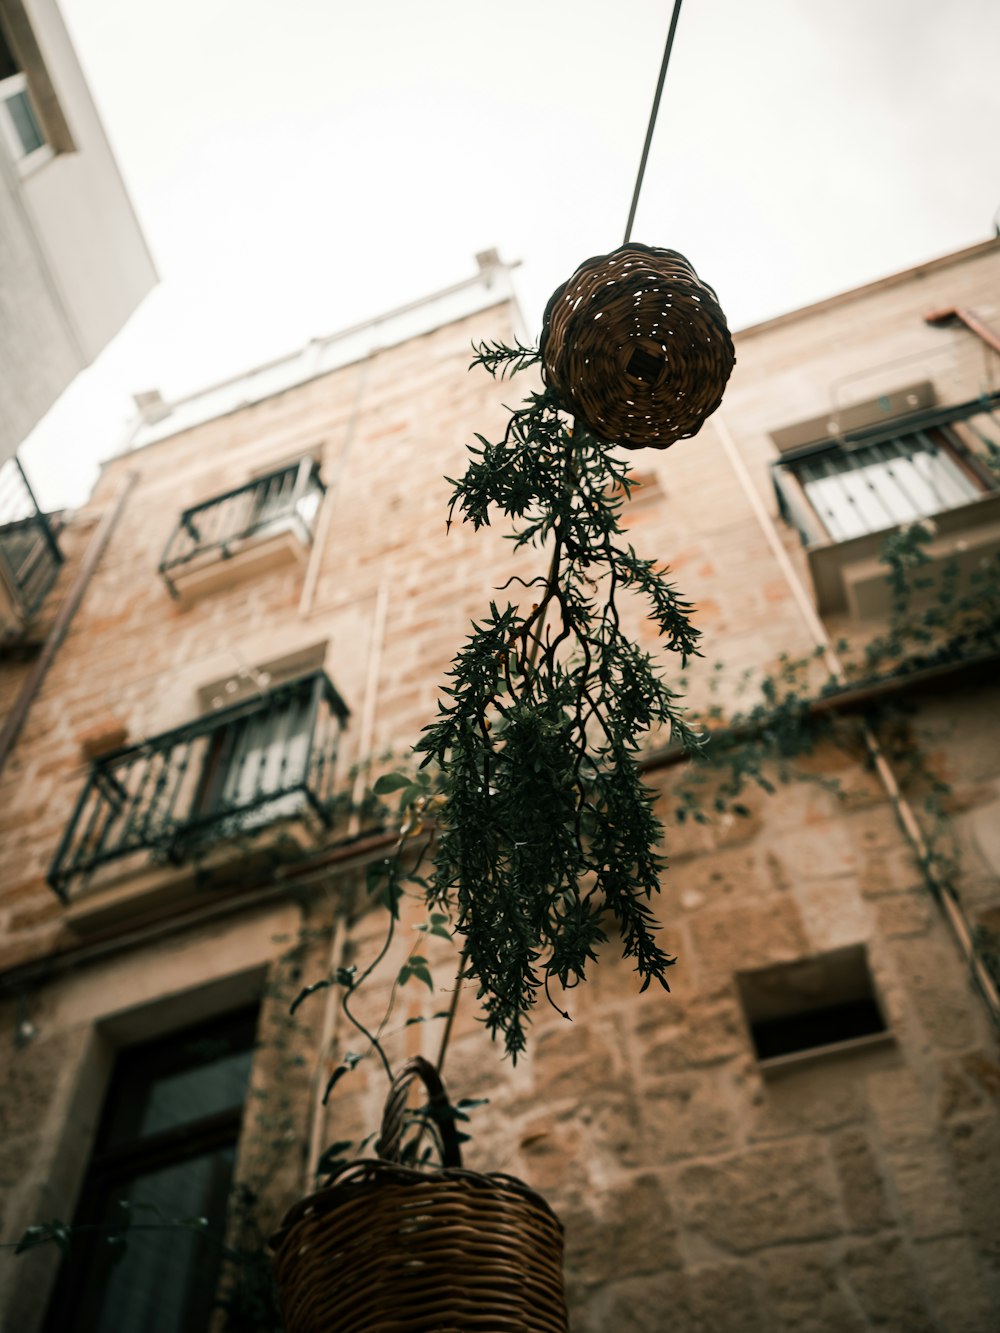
<point>816,1005</point>
<point>18,121</point>
<point>844,484</point>
<point>860,488</point>
<point>255,766</point>
<point>166,1147</point>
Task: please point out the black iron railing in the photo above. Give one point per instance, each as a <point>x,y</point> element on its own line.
<point>29,553</point>
<point>226,775</point>
<point>897,472</point>
<point>218,528</point>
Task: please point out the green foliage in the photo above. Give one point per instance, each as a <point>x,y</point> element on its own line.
<point>45,1233</point>
<point>501,360</point>
<point>935,616</point>
<point>546,827</point>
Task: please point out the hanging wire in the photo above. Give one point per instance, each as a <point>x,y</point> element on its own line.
<point>652,120</point>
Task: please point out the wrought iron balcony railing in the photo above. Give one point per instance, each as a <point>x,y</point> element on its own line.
<point>29,553</point>
<point>286,500</point>
<point>227,775</point>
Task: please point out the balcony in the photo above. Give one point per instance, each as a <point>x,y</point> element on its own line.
<point>265,523</point>
<point>236,773</point>
<point>29,554</point>
<point>845,495</point>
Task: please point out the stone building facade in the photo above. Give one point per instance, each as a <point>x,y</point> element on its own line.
<point>803,1135</point>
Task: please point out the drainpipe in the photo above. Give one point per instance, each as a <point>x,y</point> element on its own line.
<point>33,682</point>
<point>908,822</point>
<point>952,315</point>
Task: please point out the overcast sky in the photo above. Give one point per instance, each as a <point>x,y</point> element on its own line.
<point>300,166</point>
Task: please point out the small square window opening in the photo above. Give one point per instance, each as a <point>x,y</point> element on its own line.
<point>812,1005</point>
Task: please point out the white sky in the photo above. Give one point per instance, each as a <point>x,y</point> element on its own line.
<point>300,165</point>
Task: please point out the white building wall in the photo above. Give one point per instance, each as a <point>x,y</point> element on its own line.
<point>73,260</point>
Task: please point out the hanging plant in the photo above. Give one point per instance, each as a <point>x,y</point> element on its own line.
<point>547,829</point>
<point>544,831</point>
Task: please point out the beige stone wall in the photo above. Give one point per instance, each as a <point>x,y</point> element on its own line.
<point>699,1190</point>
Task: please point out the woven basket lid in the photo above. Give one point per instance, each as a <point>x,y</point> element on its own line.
<point>636,347</point>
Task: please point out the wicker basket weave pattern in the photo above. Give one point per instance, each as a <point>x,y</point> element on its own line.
<point>388,1249</point>
<point>637,347</point>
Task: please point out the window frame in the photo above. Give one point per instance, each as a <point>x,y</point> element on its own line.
<point>797,506</point>
<point>24,158</point>
<point>793,991</point>
<point>847,574</point>
<point>113,1166</point>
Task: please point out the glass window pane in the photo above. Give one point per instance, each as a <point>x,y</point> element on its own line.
<point>190,1094</point>
<point>164,1280</point>
<point>24,122</point>
<point>177,1082</point>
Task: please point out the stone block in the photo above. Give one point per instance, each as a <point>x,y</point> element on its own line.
<point>686,1115</point>
<point>970,1085</point>
<point>824,1094</point>
<point>925,1189</point>
<point>974,1146</point>
<point>712,1031</point>
<point>861,1185</point>
<point>884,1279</point>
<point>721,1298</point>
<point>570,1059</point>
<point>902,1115</point>
<point>957,1294</point>
<point>930,972</point>
<point>782,1192</point>
<point>886,862</point>
<point>613,1123</point>
<point>622,1231</point>
<point>549,1153</point>
<point>712,881</point>
<point>907,913</point>
<point>807,857</point>
<point>30,1079</point>
<point>745,938</point>
<point>834,915</point>
<point>803,1291</point>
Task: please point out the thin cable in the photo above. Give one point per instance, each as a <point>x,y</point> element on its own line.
<point>652,120</point>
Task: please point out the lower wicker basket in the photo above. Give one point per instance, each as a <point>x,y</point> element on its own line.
<point>388,1249</point>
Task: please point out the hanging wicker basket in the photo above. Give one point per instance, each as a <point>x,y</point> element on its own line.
<point>388,1249</point>
<point>636,347</point>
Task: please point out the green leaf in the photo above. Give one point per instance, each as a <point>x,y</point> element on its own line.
<point>423,973</point>
<point>333,1157</point>
<point>118,1246</point>
<point>334,1079</point>
<point>44,1233</point>
<point>390,782</point>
